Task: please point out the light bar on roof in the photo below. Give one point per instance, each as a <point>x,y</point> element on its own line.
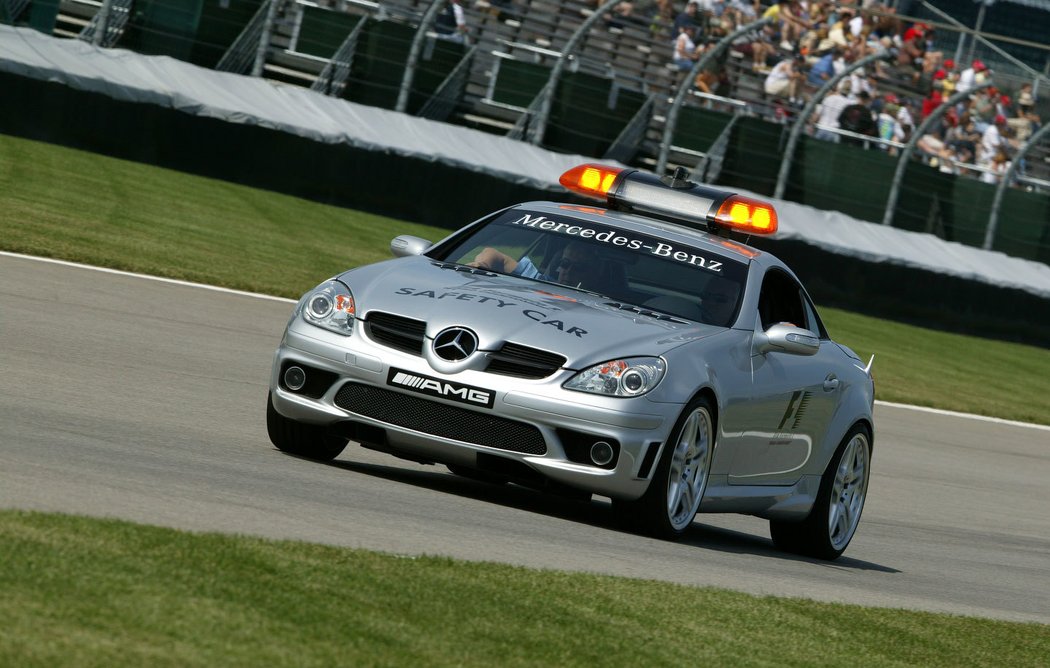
<point>677,200</point>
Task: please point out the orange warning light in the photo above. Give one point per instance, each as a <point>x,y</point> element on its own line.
<point>590,179</point>
<point>747,215</point>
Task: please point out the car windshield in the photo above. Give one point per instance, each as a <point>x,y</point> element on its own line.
<point>631,268</point>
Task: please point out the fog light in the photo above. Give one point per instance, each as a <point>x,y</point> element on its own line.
<point>601,453</point>
<point>294,378</point>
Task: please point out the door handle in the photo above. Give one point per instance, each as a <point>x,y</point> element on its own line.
<point>831,383</point>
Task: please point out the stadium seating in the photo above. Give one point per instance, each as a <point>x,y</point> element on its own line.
<point>612,99</point>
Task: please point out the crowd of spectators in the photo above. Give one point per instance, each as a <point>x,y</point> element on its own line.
<point>808,43</point>
<point>980,133</point>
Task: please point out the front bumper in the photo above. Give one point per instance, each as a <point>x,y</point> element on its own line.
<point>535,423</point>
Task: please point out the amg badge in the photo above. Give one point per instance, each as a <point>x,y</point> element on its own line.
<point>441,388</point>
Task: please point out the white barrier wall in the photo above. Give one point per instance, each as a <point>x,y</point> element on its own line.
<point>171,83</point>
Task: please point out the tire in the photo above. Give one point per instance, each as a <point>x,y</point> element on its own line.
<point>830,526</point>
<point>298,438</point>
<point>668,507</point>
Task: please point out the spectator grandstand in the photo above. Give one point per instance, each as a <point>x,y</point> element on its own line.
<point>613,99</point>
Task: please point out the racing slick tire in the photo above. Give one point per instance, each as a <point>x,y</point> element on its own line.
<point>298,438</point>
<point>668,507</point>
<point>830,526</point>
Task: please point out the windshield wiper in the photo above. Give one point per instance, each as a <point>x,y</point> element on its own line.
<point>478,271</point>
<point>571,287</point>
<point>466,269</point>
<point>652,313</point>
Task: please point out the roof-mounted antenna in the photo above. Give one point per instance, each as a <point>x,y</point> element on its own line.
<point>680,179</point>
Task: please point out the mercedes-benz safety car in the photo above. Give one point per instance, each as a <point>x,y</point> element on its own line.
<point>634,351</point>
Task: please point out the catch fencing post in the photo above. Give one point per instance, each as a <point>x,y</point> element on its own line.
<point>807,111</point>
<point>413,54</point>
<point>1004,183</point>
<point>684,86</point>
<point>909,147</point>
<point>103,23</point>
<point>264,39</point>
<point>539,126</point>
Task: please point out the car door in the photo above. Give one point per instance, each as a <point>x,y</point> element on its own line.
<point>793,396</point>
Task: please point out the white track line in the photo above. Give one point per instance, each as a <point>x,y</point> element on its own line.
<point>147,277</point>
<point>936,411</point>
<point>982,418</point>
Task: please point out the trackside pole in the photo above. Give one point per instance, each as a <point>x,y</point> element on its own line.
<point>687,83</point>
<point>909,147</point>
<point>807,111</point>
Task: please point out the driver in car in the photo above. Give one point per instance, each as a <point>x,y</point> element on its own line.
<point>578,263</point>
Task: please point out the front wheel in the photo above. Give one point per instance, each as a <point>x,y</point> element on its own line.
<point>298,438</point>
<point>667,508</point>
<point>840,500</point>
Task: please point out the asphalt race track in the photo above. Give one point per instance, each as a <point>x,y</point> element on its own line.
<point>144,400</point>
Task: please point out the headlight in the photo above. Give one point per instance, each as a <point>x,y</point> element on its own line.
<point>628,377</point>
<point>330,306</point>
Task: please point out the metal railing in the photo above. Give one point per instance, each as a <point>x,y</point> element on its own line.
<point>686,84</point>
<point>107,25</point>
<point>977,36</point>
<point>710,166</point>
<point>909,147</point>
<point>710,100</point>
<point>807,112</point>
<point>997,202</point>
<point>11,9</point>
<point>413,53</point>
<point>522,126</point>
<point>444,100</point>
<point>336,71</point>
<point>243,53</point>
<point>538,126</point>
<point>867,139</point>
<point>625,146</point>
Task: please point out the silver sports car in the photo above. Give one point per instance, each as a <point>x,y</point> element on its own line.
<point>635,351</point>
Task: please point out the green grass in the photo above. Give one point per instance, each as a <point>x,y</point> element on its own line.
<point>79,206</point>
<point>925,367</point>
<point>85,592</point>
<point>82,592</point>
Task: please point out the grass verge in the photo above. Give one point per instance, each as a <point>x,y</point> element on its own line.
<point>88,592</point>
<point>68,204</point>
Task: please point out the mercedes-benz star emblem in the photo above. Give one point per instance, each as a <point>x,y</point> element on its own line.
<point>455,344</point>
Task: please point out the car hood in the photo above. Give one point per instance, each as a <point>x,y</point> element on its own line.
<point>583,327</point>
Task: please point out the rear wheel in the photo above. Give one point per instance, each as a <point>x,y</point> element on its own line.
<point>835,515</point>
<point>667,508</point>
<point>298,438</point>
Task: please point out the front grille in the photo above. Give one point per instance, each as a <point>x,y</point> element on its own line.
<point>524,362</point>
<point>431,417</point>
<point>409,335</point>
<point>404,334</point>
